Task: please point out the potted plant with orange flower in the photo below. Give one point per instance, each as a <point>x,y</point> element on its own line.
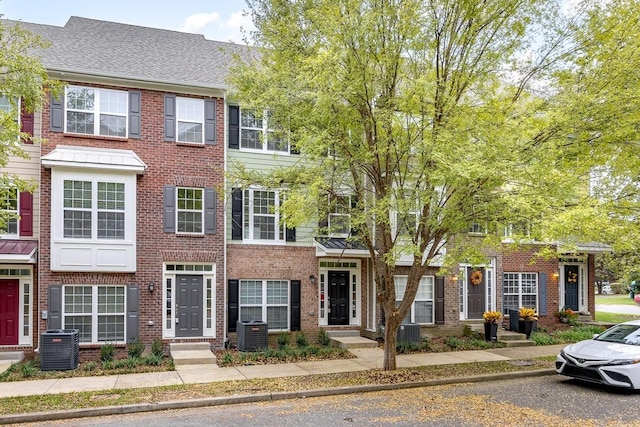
<point>527,318</point>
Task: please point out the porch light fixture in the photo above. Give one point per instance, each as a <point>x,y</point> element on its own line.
<point>151,287</point>
<point>312,278</point>
<point>556,275</point>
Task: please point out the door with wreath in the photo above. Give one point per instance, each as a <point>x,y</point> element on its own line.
<point>476,292</point>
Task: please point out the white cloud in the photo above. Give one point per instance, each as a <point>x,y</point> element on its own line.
<point>195,23</point>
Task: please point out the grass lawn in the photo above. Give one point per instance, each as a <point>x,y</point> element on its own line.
<point>615,300</point>
<point>614,317</point>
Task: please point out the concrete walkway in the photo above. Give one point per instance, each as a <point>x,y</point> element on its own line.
<point>366,358</point>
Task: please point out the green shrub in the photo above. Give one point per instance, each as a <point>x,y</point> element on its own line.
<point>283,340</point>
<point>453,342</point>
<point>132,362</point>
<point>541,338</point>
<point>323,338</point>
<point>302,340</point>
<point>135,348</point>
<point>157,348</point>
<point>29,369</point>
<point>107,352</point>
<point>90,366</point>
<point>480,343</point>
<point>404,347</point>
<point>153,360</point>
<point>227,359</point>
<point>108,364</point>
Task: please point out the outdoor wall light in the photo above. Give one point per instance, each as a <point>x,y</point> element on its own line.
<point>151,287</point>
<point>556,275</point>
<point>312,278</point>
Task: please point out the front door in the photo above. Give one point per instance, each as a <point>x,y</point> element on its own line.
<point>571,287</point>
<point>189,306</point>
<point>476,281</point>
<point>9,302</point>
<point>338,297</point>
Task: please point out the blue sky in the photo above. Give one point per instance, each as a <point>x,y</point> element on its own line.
<point>217,19</point>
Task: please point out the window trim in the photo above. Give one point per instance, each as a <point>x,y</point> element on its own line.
<point>248,225</point>
<point>201,211</point>
<point>98,92</point>
<point>179,120</point>
<point>412,311</point>
<point>263,131</point>
<point>520,293</point>
<point>95,314</point>
<point>264,304</point>
<point>15,213</point>
<point>334,211</point>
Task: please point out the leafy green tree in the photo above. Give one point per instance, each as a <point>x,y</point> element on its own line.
<point>24,82</point>
<point>431,114</point>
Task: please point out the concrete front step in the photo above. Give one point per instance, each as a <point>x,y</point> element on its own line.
<point>351,342</point>
<point>343,333</point>
<point>195,353</point>
<point>503,335</point>
<point>14,356</point>
<point>516,343</point>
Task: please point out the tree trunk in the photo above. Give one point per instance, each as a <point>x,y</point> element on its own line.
<point>390,334</point>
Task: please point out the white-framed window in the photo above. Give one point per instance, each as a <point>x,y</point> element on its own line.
<point>94,111</point>
<point>339,220</point>
<point>261,215</point>
<point>190,120</point>
<point>190,210</point>
<point>405,219</point>
<point>10,209</point>
<point>93,209</point>
<point>519,290</point>
<point>422,309</point>
<point>256,134</point>
<point>98,312</point>
<point>266,301</point>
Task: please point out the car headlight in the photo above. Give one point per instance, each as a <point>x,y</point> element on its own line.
<point>624,362</point>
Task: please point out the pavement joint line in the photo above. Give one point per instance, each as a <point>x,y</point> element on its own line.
<point>260,397</point>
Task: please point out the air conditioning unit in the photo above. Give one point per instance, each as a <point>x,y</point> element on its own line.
<point>252,336</point>
<point>59,349</point>
<point>409,332</point>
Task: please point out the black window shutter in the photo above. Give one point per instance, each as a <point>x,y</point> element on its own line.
<point>233,308</point>
<point>234,126</point>
<point>439,308</point>
<point>542,294</point>
<point>209,211</point>
<point>169,208</point>
<point>210,121</point>
<point>290,234</point>
<point>54,305</point>
<point>236,214</point>
<point>133,321</point>
<point>135,105</point>
<point>56,114</point>
<point>169,117</point>
<point>323,220</point>
<point>294,150</point>
<point>295,305</point>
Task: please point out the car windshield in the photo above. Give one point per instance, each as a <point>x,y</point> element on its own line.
<point>623,334</point>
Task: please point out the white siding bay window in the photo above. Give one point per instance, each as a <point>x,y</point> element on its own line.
<point>93,209</point>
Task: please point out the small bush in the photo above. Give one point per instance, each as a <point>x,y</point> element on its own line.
<point>480,343</point>
<point>323,338</point>
<point>135,349</point>
<point>227,359</point>
<point>453,342</point>
<point>302,340</point>
<point>90,366</point>
<point>132,362</point>
<point>107,352</point>
<point>153,360</point>
<point>29,369</point>
<point>541,338</point>
<point>404,347</point>
<point>283,340</point>
<point>157,348</point>
<point>108,364</point>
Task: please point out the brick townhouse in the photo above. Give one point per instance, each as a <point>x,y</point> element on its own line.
<point>141,237</point>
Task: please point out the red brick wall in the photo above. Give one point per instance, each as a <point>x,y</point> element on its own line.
<point>168,163</point>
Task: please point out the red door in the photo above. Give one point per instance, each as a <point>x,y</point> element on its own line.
<point>9,312</point>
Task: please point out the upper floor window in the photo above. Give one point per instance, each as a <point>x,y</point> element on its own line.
<point>339,220</point>
<point>94,111</point>
<point>10,211</point>
<point>93,209</point>
<point>261,215</point>
<point>5,103</point>
<point>405,219</point>
<point>256,134</point>
<point>190,119</point>
<point>190,210</point>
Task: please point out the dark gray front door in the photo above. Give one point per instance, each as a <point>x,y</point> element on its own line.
<point>189,306</point>
<point>571,287</point>
<point>339,297</point>
<point>476,280</point>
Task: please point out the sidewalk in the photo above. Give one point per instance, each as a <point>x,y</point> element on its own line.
<point>192,374</point>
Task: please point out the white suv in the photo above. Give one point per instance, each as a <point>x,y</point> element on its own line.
<point>606,290</point>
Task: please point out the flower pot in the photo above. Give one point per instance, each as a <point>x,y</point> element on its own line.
<point>525,327</point>
<point>564,320</point>
<point>490,331</point>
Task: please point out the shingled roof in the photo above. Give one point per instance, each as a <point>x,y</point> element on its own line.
<point>109,49</point>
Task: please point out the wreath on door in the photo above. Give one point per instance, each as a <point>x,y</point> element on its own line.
<point>476,277</point>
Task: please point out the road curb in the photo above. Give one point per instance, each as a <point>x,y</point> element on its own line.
<point>261,397</point>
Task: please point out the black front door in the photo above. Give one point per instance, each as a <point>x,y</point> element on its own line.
<point>189,306</point>
<point>338,297</point>
<point>476,279</point>
<point>571,287</point>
